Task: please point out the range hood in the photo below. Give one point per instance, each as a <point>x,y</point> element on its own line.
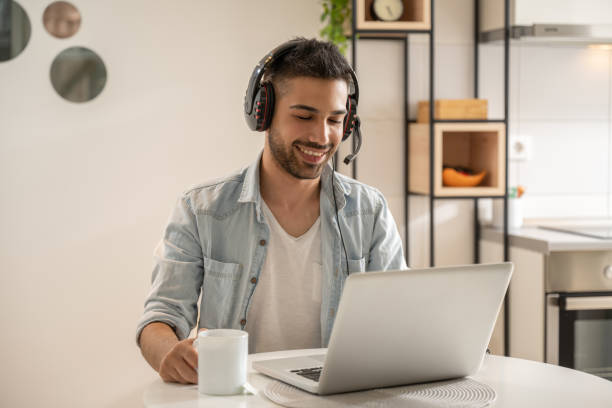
<point>548,21</point>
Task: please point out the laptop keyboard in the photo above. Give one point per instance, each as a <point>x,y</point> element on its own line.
<point>310,373</point>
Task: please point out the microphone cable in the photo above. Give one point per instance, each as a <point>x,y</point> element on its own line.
<point>338,218</point>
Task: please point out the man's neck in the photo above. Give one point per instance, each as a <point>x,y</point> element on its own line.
<point>282,190</point>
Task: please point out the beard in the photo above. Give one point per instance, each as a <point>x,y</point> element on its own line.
<point>285,155</point>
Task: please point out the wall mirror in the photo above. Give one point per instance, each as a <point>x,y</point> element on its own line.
<point>78,74</point>
<point>61,19</point>
<point>15,29</point>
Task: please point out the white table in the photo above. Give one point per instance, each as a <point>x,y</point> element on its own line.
<point>518,383</point>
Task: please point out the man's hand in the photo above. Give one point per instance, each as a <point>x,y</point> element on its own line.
<point>180,364</point>
<point>174,360</point>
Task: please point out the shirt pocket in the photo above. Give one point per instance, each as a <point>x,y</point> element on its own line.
<point>219,307</point>
<point>221,270</point>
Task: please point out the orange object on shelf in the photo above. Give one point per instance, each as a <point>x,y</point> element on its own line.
<point>453,178</point>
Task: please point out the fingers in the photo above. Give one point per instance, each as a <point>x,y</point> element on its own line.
<point>179,364</point>
<point>190,355</point>
<point>179,372</point>
<point>187,374</point>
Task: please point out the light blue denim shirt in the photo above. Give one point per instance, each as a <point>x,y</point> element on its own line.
<point>215,244</point>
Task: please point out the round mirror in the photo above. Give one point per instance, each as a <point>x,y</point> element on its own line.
<point>15,29</point>
<point>78,74</point>
<point>61,19</point>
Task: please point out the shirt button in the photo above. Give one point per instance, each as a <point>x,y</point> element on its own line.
<point>262,242</point>
<point>243,322</point>
<point>253,280</point>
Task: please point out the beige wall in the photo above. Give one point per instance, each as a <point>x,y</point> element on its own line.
<point>86,188</point>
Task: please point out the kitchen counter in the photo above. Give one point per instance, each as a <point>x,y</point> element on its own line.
<point>545,241</point>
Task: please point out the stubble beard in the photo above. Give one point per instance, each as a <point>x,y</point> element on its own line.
<point>286,157</point>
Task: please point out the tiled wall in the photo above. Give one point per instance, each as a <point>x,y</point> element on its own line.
<point>562,103</point>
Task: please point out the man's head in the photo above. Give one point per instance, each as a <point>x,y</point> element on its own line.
<point>311,85</point>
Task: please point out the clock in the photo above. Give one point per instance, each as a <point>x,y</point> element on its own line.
<point>388,10</point>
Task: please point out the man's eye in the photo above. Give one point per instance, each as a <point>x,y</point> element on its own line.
<point>304,117</point>
<point>335,121</point>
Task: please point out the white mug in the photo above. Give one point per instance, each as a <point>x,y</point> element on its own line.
<point>222,361</point>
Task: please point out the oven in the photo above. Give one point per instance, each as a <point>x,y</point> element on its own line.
<point>579,311</point>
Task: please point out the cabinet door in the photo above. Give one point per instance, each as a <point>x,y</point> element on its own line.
<point>527,303</point>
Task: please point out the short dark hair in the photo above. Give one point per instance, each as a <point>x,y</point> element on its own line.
<point>310,58</point>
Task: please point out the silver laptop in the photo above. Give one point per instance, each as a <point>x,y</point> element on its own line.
<point>403,327</point>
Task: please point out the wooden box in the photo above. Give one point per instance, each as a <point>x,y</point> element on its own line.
<point>453,109</point>
<point>480,146</point>
<point>416,16</point>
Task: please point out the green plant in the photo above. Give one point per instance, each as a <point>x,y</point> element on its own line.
<point>336,13</point>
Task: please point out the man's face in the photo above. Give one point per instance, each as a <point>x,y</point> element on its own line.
<point>307,125</point>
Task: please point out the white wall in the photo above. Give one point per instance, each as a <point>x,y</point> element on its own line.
<point>86,188</point>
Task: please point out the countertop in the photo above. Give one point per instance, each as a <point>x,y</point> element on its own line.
<point>532,237</point>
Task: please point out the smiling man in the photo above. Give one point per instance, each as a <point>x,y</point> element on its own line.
<point>268,248</point>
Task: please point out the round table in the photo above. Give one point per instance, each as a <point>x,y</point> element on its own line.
<point>518,383</point>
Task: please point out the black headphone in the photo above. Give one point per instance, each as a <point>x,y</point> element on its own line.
<point>259,99</point>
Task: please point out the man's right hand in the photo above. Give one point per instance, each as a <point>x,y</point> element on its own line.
<point>180,364</point>
<point>174,360</point>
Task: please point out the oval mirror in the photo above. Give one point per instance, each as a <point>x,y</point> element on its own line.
<point>15,29</point>
<point>78,74</point>
<point>61,19</point>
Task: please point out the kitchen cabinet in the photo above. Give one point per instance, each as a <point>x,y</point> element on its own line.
<point>526,301</point>
<point>558,277</point>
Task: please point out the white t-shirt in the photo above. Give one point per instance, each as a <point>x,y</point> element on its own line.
<point>285,311</point>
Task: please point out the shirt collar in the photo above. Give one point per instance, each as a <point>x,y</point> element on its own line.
<point>250,188</point>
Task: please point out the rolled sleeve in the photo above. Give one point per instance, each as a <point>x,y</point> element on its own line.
<point>386,252</point>
<point>177,275</point>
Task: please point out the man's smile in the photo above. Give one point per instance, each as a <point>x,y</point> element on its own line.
<point>310,155</point>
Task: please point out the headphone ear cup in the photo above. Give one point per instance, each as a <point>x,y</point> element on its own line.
<point>264,106</point>
<point>349,119</point>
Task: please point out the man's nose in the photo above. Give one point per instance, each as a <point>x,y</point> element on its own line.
<point>322,133</point>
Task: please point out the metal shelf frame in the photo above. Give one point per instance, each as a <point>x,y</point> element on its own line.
<point>379,35</point>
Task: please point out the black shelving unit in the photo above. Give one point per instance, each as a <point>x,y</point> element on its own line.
<point>379,35</point>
